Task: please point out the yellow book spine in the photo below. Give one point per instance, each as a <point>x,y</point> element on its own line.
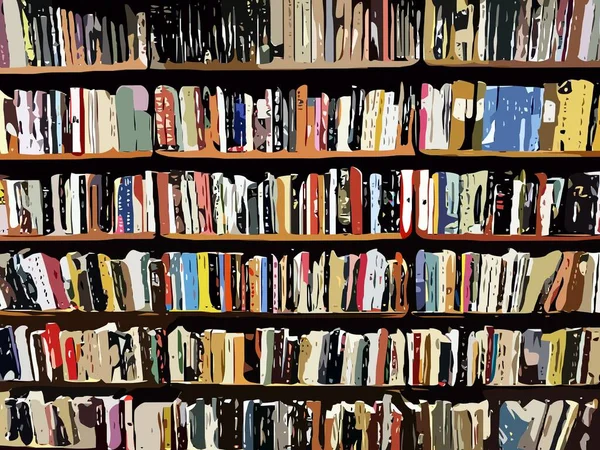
<point>203,284</point>
<point>435,178</point>
<point>379,122</point>
<point>107,281</point>
<point>555,364</point>
<point>26,37</point>
<point>167,426</point>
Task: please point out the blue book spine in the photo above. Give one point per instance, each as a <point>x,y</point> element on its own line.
<point>512,428</point>
<point>176,286</point>
<point>239,127</point>
<point>128,204</point>
<point>443,217</point>
<point>375,185</point>
<point>263,285</point>
<point>494,356</point>
<point>431,282</point>
<point>537,102</point>
<point>420,281</point>
<point>190,281</point>
<point>249,425</point>
<point>489,113</point>
<point>222,280</point>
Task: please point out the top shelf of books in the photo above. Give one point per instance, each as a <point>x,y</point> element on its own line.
<point>54,36</point>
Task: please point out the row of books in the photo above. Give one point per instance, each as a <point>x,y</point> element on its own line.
<point>82,121</point>
<point>531,357</point>
<point>294,31</point>
<point>73,204</point>
<point>235,122</point>
<point>43,33</point>
<point>32,419</point>
<point>207,281</point>
<point>457,116</point>
<point>475,116</point>
<point>339,201</point>
<point>514,282</point>
<point>507,203</point>
<point>492,30</point>
<point>266,356</point>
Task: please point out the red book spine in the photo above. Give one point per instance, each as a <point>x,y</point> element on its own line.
<point>360,282</point>
<point>166,260</point>
<point>417,379</point>
<point>138,194</point>
<point>162,184</point>
<point>52,337</point>
<point>160,117</point>
<point>56,282</point>
<point>227,278</point>
<point>169,118</point>
<point>396,430</point>
<point>356,199</point>
<point>71,359</point>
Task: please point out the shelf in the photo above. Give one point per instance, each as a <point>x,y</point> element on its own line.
<point>570,64</point>
<point>302,154</point>
<point>71,157</point>
<point>512,154</point>
<point>79,237</point>
<point>507,238</point>
<point>116,315</point>
<point>285,237</point>
<point>33,70</point>
<point>280,64</point>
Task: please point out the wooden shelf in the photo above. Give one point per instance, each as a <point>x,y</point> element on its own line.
<point>113,154</point>
<point>34,70</point>
<point>513,154</point>
<point>79,237</point>
<point>116,315</point>
<point>285,237</point>
<point>570,64</point>
<point>280,64</point>
<point>302,154</point>
<point>506,238</point>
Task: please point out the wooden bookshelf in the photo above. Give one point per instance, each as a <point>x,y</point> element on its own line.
<point>512,154</point>
<point>281,237</point>
<point>113,154</point>
<point>95,236</point>
<point>301,154</point>
<point>37,70</point>
<point>280,64</point>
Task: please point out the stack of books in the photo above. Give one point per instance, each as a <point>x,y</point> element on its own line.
<point>80,122</point>
<point>234,122</point>
<point>493,30</point>
<point>514,282</point>
<point>558,117</point>
<point>285,32</point>
<point>507,203</point>
<point>531,357</point>
<point>225,282</point>
<point>342,201</point>
<point>44,33</point>
<point>77,204</point>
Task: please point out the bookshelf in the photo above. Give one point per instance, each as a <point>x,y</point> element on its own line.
<point>254,77</point>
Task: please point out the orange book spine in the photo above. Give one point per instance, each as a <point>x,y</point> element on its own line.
<point>301,117</point>
<point>356,199</point>
<point>162,182</point>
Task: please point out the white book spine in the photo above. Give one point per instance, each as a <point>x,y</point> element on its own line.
<point>423,208</point>
<point>221,120</point>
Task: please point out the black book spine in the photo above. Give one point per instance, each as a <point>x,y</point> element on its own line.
<point>270,293</point>
<point>357,105</point>
<point>244,30</point>
<point>268,212</point>
<point>83,203</point>
<point>105,218</point>
<point>332,125</point>
<point>253,213</point>
<point>292,121</point>
<point>213,279</point>
<point>265,50</point>
<point>47,207</point>
<point>99,297</point>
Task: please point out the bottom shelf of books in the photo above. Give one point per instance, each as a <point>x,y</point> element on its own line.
<point>167,419</point>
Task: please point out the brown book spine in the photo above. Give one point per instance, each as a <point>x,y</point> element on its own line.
<point>356,199</point>
<point>381,356</point>
<point>65,22</point>
<point>162,184</point>
<point>212,133</point>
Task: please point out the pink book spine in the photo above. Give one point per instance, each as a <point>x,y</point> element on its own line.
<point>318,123</point>
<point>305,266</point>
<point>324,121</point>
<point>4,53</point>
<point>56,282</point>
